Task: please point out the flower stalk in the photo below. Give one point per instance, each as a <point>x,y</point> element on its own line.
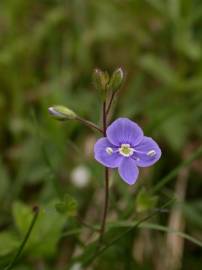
<point>110,102</point>
<point>62,113</point>
<point>106,201</point>
<point>112,86</point>
<point>89,124</point>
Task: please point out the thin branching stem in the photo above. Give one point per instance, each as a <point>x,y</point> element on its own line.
<point>106,202</point>
<point>136,225</point>
<point>174,172</point>
<point>19,252</point>
<point>89,124</point>
<point>110,102</point>
<point>83,223</point>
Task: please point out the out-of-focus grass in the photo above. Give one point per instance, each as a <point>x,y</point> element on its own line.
<point>48,50</point>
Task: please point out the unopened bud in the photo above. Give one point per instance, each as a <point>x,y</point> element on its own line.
<point>116,80</point>
<point>100,79</point>
<point>61,113</point>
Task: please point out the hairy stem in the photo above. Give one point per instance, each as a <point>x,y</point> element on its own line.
<point>89,124</point>
<point>13,262</point>
<point>110,102</point>
<point>106,202</point>
<point>104,118</point>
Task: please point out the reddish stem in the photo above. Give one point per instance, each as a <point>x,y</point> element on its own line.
<point>106,202</point>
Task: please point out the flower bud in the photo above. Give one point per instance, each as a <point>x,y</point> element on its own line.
<point>100,79</point>
<point>116,80</point>
<point>61,113</point>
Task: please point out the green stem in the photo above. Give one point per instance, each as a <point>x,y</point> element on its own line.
<point>83,223</point>
<point>110,102</point>
<point>174,172</point>
<point>137,224</point>
<point>13,262</point>
<point>89,124</point>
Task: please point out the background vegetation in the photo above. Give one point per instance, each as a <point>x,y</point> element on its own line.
<point>48,50</point>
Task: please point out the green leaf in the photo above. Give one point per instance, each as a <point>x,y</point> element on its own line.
<point>4,180</point>
<point>175,130</point>
<point>145,201</point>
<point>8,243</point>
<point>46,232</point>
<point>158,227</point>
<point>193,213</point>
<point>22,216</point>
<point>159,69</point>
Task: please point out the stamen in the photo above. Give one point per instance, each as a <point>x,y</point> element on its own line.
<point>109,150</point>
<point>151,153</point>
<point>126,145</point>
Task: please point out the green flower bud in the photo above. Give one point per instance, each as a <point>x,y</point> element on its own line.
<point>61,113</point>
<point>100,79</point>
<point>116,80</point>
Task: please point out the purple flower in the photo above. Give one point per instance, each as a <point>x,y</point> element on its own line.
<point>125,147</point>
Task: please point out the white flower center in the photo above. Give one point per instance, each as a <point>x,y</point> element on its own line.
<point>151,153</point>
<point>125,150</point>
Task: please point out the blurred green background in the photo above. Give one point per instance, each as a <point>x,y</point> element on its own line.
<point>48,50</point>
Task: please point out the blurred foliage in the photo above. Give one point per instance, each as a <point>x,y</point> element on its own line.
<point>67,206</point>
<point>145,201</point>
<point>48,50</point>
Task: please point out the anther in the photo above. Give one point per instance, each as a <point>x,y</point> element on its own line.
<point>109,150</point>
<point>151,153</point>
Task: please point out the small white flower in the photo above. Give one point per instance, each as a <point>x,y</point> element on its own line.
<point>80,176</point>
<point>76,266</point>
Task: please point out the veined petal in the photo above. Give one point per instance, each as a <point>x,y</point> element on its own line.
<point>147,152</point>
<point>128,170</point>
<point>125,131</point>
<point>108,159</point>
